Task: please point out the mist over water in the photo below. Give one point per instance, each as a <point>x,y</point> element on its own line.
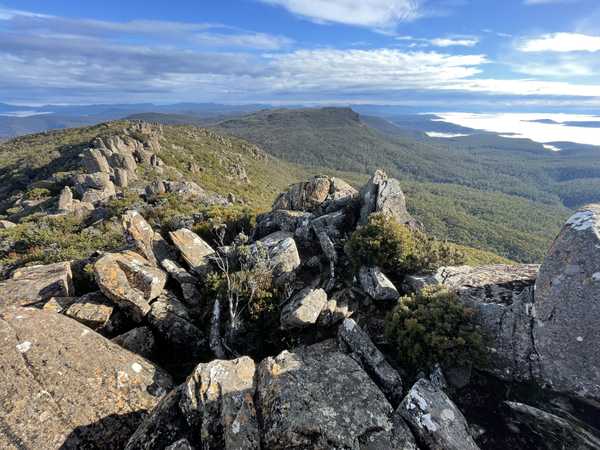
<point>543,128</point>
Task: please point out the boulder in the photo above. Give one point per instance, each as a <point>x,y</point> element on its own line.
<point>501,297</point>
<point>567,310</point>
<point>353,341</point>
<point>340,306</point>
<point>140,341</point>
<point>94,187</point>
<point>556,432</point>
<point>174,328</point>
<point>181,444</point>
<point>94,161</point>
<point>303,309</point>
<point>376,284</point>
<point>383,194</point>
<point>194,250</point>
<point>212,409</point>
<point>130,281</point>
<point>189,189</point>
<point>64,386</point>
<point>318,397</point>
<point>283,254</point>
<point>320,194</point>
<point>217,401</point>
<point>5,225</point>
<point>121,178</point>
<point>434,419</point>
<point>187,282</point>
<point>59,304</point>
<point>93,310</point>
<point>333,223</point>
<point>124,161</point>
<point>65,201</point>
<point>155,189</point>
<point>144,239</point>
<point>36,284</point>
<point>296,222</point>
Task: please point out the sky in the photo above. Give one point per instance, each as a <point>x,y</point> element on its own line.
<point>534,55</point>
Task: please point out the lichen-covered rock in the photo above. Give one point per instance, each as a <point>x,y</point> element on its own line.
<point>358,345</point>
<point>36,284</point>
<point>94,187</point>
<point>94,161</point>
<point>384,195</point>
<point>93,310</point>
<point>144,239</point>
<point>64,386</point>
<point>340,306</point>
<point>303,309</point>
<point>217,401</point>
<point>187,282</point>
<point>194,250</point>
<point>376,284</point>
<point>121,178</point>
<point>434,419</point>
<point>175,329</point>
<point>319,398</point>
<point>140,341</point>
<point>130,281</point>
<point>567,310</point>
<point>65,200</point>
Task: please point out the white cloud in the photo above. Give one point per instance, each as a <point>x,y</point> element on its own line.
<point>562,43</point>
<point>366,13</point>
<point>448,42</point>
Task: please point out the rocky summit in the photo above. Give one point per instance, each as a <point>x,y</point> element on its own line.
<point>332,320</point>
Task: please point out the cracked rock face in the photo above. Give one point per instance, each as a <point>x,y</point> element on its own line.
<point>567,307</point>
<point>64,386</point>
<point>434,418</point>
<point>319,398</point>
<point>304,308</point>
<point>376,284</point>
<point>383,194</point>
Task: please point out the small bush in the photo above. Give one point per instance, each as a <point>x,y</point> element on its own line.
<point>433,327</point>
<point>233,220</point>
<point>398,250</point>
<point>37,194</point>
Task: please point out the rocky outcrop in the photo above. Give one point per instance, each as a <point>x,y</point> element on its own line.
<point>296,222</point>
<point>566,307</point>
<point>93,310</point>
<point>434,419</point>
<point>384,195</point>
<point>303,309</point>
<point>377,285</point>
<point>130,281</point>
<point>283,254</point>
<point>358,345</point>
<point>94,187</point>
<point>64,386</point>
<point>37,284</point>
<point>319,194</point>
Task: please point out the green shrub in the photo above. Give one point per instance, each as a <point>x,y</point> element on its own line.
<point>233,220</point>
<point>37,194</point>
<point>398,250</point>
<point>433,327</point>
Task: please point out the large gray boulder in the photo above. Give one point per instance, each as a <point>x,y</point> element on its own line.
<point>93,310</point>
<point>434,419</point>
<point>94,187</point>
<point>296,222</point>
<point>36,284</point>
<point>283,253</point>
<point>303,309</point>
<point>317,397</point>
<point>377,285</point>
<point>64,386</point>
<point>140,341</point>
<point>567,307</point>
<point>359,346</point>
<point>130,281</point>
<point>384,195</point>
<point>94,161</point>
<point>140,235</point>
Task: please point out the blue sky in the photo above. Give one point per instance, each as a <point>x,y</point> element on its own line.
<point>476,54</point>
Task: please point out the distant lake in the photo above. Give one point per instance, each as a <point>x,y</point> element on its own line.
<point>543,128</point>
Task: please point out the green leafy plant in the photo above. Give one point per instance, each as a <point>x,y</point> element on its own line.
<point>37,194</point>
<point>432,327</point>
<point>397,249</point>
